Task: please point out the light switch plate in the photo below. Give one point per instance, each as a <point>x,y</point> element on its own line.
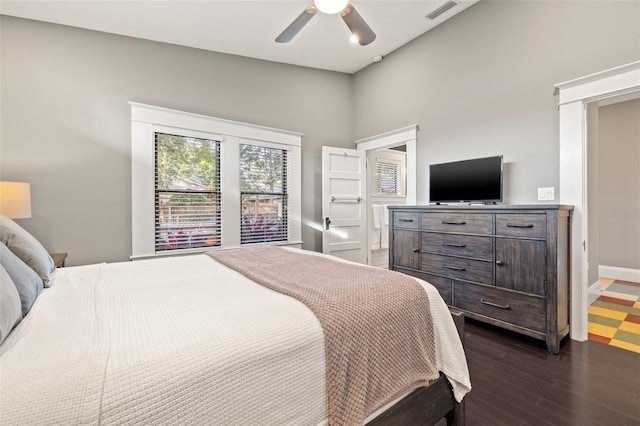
<point>546,194</point>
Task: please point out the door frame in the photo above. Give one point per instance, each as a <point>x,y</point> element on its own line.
<point>572,107</point>
<point>404,136</point>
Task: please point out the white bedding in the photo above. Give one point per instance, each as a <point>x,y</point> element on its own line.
<point>179,340</point>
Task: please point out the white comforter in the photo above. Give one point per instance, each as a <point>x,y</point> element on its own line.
<point>180,340</point>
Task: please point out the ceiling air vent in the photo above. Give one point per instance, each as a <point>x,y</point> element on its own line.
<point>442,9</point>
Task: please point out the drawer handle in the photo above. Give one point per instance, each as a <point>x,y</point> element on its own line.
<point>416,250</point>
<point>520,225</point>
<point>495,305</point>
<point>452,222</point>
<point>405,220</point>
<point>499,262</point>
<point>454,245</point>
<point>454,268</point>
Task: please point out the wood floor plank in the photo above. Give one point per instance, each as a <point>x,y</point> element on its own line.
<point>516,381</point>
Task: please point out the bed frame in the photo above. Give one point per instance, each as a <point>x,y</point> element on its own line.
<point>429,404</point>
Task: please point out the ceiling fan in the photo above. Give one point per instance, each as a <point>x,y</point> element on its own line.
<point>358,27</point>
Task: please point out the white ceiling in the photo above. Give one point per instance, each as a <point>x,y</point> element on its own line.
<point>247,28</point>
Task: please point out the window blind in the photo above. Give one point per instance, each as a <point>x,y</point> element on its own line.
<point>187,192</point>
<point>264,198</point>
<point>387,177</point>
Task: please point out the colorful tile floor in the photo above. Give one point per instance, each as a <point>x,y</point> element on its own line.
<point>614,318</point>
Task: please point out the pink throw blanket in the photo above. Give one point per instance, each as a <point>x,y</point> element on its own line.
<point>379,340</point>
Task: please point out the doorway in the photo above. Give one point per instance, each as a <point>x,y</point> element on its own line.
<point>613,196</point>
<point>574,96</point>
<point>352,241</point>
<point>395,153</point>
<point>386,185</point>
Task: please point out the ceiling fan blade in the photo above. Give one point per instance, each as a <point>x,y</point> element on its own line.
<point>357,25</point>
<point>297,24</point>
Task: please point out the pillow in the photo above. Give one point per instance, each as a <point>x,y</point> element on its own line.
<point>27,248</point>
<point>26,281</point>
<point>10,307</point>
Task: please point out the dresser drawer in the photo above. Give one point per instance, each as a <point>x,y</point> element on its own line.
<point>406,220</point>
<point>460,245</point>
<point>456,267</point>
<point>515,308</point>
<point>521,225</point>
<point>444,285</point>
<point>471,223</point>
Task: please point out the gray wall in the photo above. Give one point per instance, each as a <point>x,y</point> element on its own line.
<point>66,122</point>
<point>482,84</point>
<point>619,185</point>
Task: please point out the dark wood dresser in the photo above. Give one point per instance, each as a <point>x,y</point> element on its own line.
<point>507,265</point>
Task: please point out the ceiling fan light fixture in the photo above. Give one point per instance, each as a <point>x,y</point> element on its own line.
<point>330,6</point>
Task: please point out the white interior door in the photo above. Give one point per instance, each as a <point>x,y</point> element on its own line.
<point>344,203</point>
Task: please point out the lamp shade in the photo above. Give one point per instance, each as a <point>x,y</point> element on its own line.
<point>15,199</point>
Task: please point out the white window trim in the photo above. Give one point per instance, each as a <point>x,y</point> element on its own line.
<point>148,119</point>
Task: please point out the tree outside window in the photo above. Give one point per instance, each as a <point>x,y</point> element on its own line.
<point>263,186</point>
<point>187,192</point>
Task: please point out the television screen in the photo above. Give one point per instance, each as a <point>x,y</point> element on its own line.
<point>475,180</point>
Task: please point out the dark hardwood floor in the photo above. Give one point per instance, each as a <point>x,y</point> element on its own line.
<point>517,382</point>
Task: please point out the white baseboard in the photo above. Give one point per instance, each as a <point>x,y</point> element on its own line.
<point>593,292</point>
<point>622,274</point>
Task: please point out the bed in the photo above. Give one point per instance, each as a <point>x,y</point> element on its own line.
<point>187,340</point>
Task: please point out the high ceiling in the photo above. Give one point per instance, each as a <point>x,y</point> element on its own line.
<point>248,28</point>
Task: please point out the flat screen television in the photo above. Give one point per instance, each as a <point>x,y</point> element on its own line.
<point>478,180</point>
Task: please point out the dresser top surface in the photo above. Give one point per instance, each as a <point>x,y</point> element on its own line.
<point>483,207</point>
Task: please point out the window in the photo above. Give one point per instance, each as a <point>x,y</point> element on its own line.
<point>200,183</point>
<point>187,192</point>
<point>263,186</point>
<point>388,177</point>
